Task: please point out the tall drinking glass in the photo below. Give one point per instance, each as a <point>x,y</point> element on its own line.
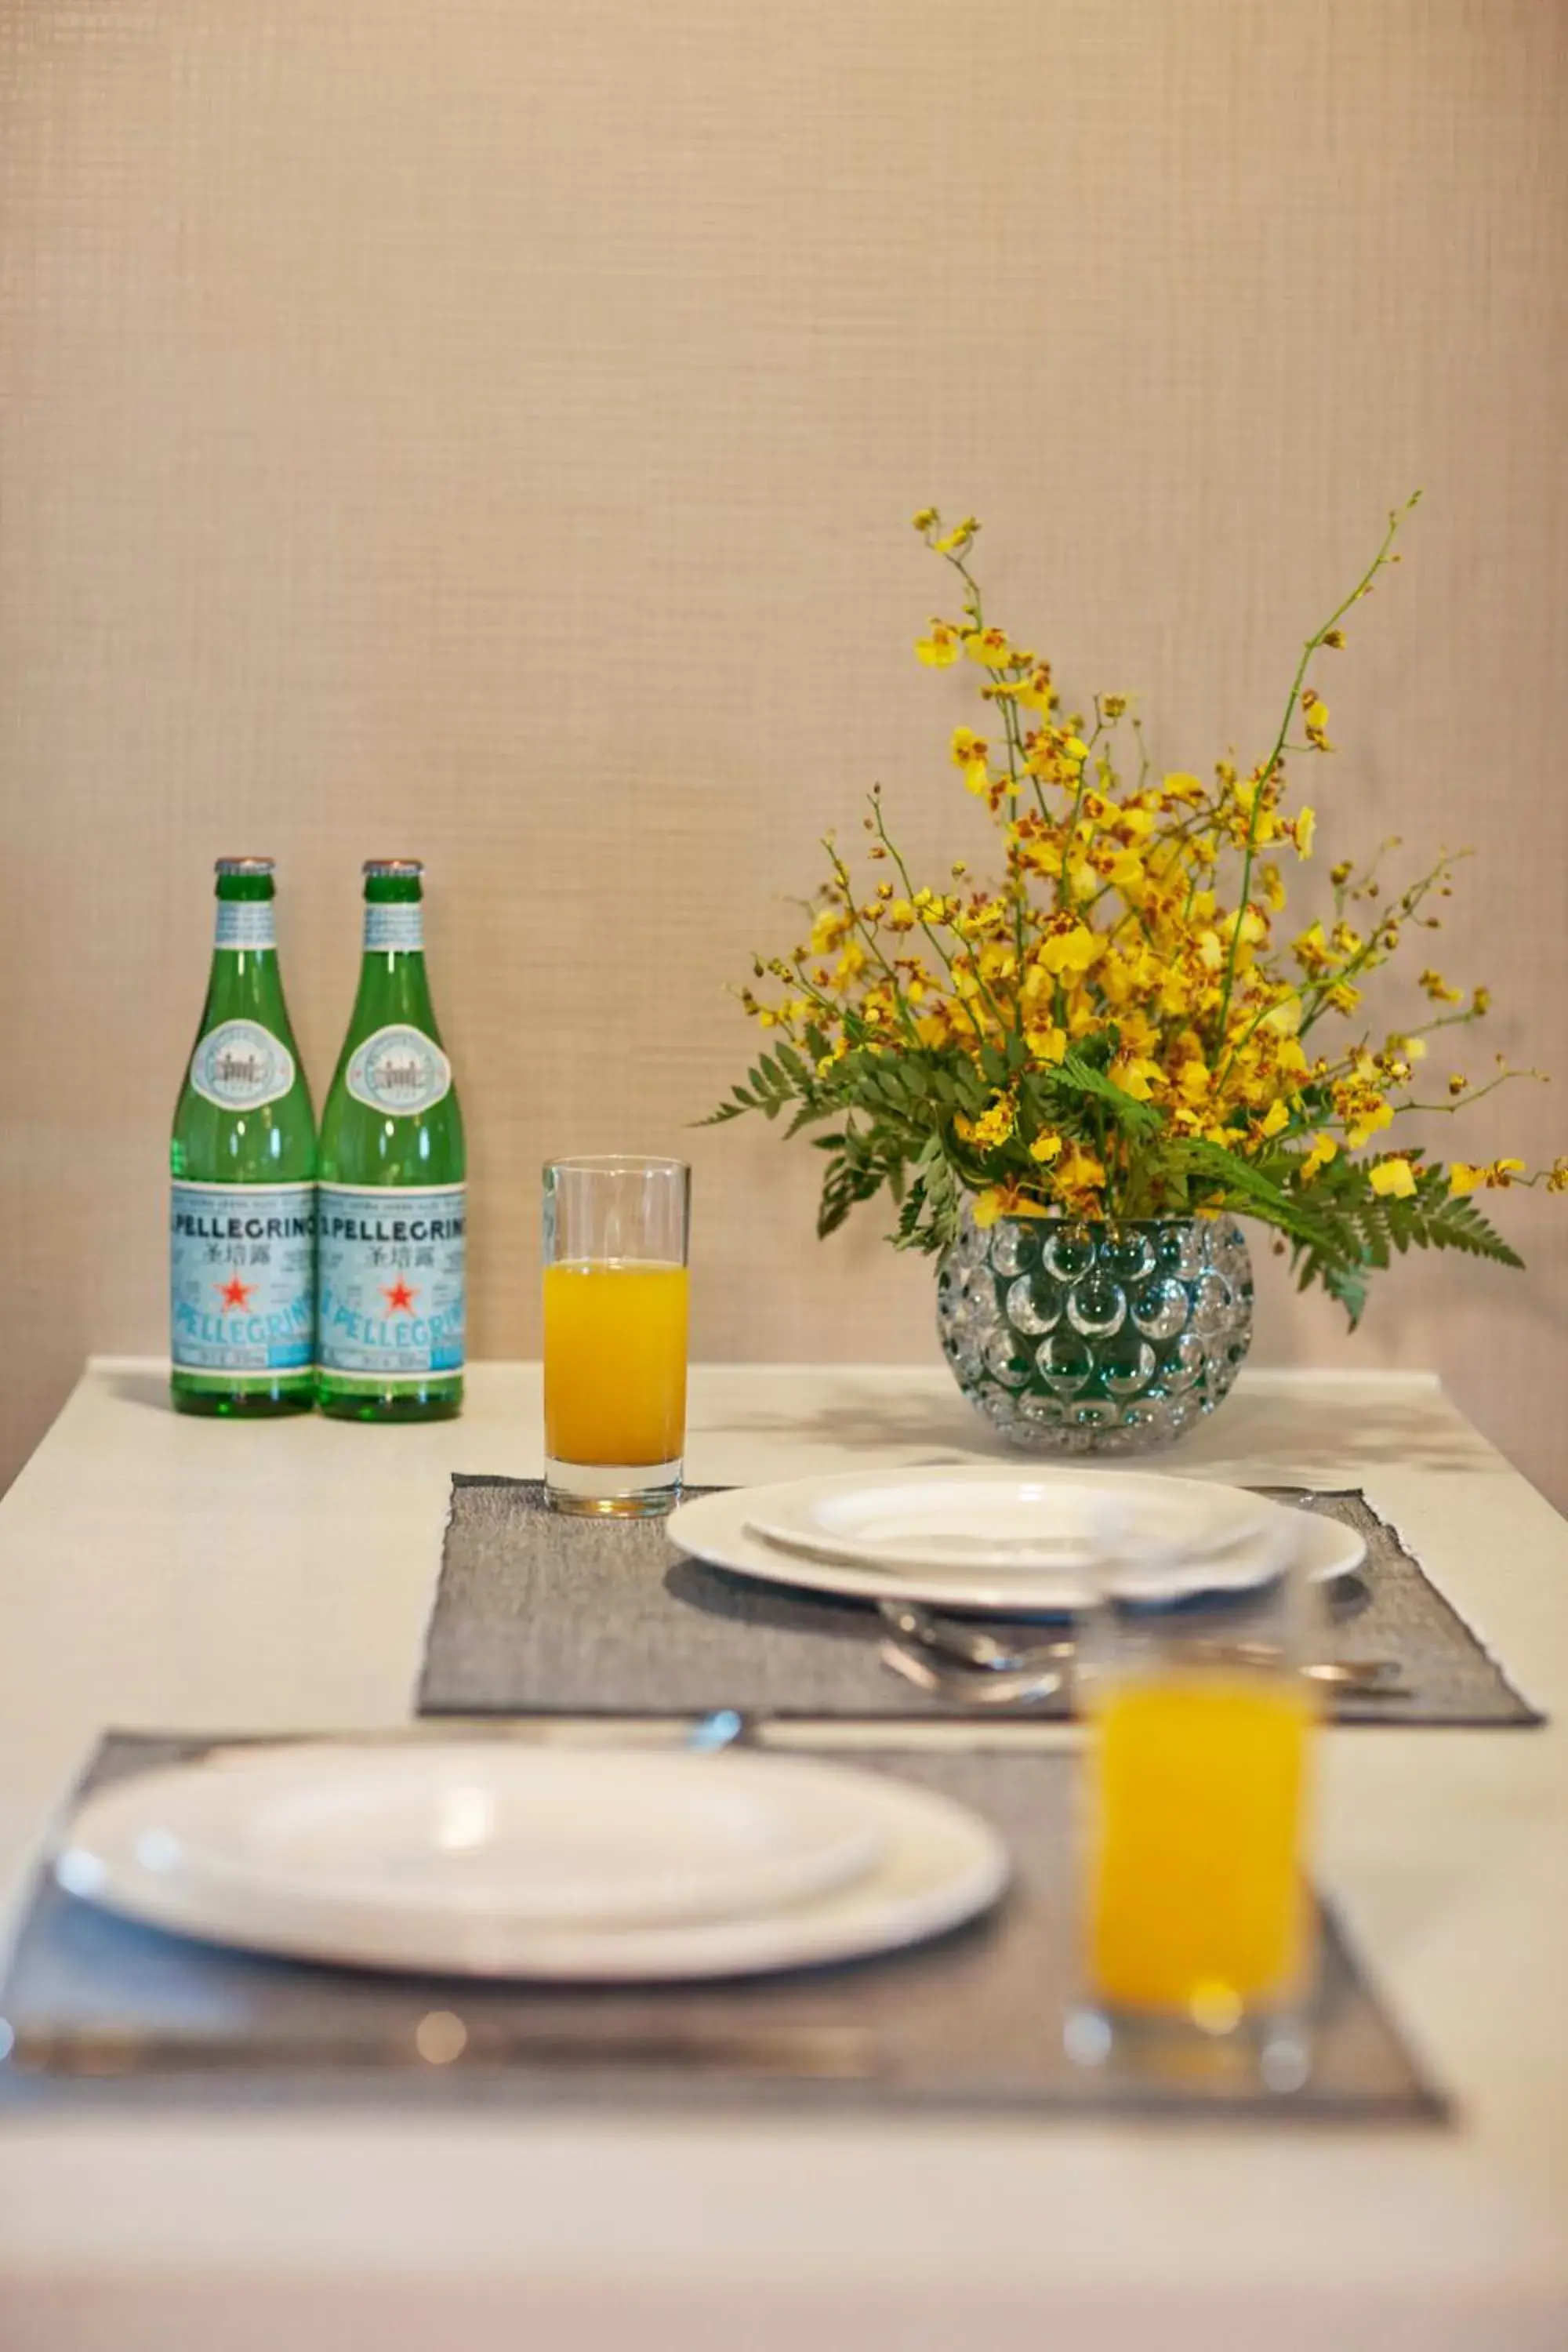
<point>1199,1925</point>
<point>616,1233</point>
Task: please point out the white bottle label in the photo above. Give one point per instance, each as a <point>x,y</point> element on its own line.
<point>392,1298</point>
<point>395,930</point>
<point>241,1277</point>
<point>245,923</point>
<point>400,1070</point>
<point>239,1066</point>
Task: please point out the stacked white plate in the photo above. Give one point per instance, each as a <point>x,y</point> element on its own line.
<point>980,1537</point>
<point>487,1858</point>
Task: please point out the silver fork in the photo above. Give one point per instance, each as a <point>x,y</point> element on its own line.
<point>969,1646</point>
<point>951,1645</point>
<point>977,1686</point>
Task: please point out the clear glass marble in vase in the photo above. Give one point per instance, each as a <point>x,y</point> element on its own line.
<point>1095,1339</point>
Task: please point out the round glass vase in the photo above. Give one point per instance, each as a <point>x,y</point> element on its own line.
<point>1095,1339</point>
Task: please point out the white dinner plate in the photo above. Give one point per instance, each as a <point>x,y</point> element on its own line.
<point>584,1838</point>
<point>715,1529</point>
<point>981,1516</point>
<point>433,1838</point>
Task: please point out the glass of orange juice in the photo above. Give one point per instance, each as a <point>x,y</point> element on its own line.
<point>616,1233</point>
<point>1199,1925</point>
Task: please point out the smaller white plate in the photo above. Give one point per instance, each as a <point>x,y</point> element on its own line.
<point>177,1850</point>
<point>584,1837</point>
<point>715,1529</point>
<point>1009,1522</point>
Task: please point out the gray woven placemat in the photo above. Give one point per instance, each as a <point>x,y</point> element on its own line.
<point>974,2019</point>
<point>539,1613</point>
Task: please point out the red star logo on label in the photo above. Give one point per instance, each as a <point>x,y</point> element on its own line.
<point>399,1298</point>
<point>235,1293</point>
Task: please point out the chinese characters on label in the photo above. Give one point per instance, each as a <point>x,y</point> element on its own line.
<point>242,1276</point>
<point>391,1296</point>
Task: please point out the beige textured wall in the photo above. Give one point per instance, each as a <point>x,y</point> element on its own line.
<point>487,428</point>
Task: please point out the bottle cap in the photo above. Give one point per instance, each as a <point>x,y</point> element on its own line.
<point>395,865</point>
<point>244,864</point>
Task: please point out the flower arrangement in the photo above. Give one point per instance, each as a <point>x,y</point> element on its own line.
<point>1124,1026</point>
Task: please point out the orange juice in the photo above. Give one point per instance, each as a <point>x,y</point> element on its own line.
<point>614,1362</point>
<point>1196,1899</point>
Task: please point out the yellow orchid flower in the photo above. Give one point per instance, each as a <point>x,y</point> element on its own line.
<point>1077,1170</point>
<point>993,1124</point>
<point>1069,946</point>
<point>1137,1076</point>
<point>1324,1149</point>
<point>1047,1042</point>
<point>1004,1201</point>
<point>1311,949</point>
<point>941,649</point>
<point>1315,718</point>
<point>971,752</point>
<point>1376,1116</point>
<point>1498,1176</point>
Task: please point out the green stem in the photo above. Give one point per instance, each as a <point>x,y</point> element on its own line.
<point>1271,764</point>
<point>906,1016</point>
<point>1143,751</point>
<point>1471,1094</point>
<point>903,870</point>
<point>1361,958</point>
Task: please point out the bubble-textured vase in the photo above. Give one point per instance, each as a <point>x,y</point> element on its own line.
<point>1095,1339</point>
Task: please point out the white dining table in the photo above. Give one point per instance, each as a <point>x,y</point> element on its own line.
<point>164,1573</point>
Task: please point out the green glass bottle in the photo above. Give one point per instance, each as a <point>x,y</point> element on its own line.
<point>391,1298</point>
<point>242,1219</point>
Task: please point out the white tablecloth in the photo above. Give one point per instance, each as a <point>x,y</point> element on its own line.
<point>167,1573</point>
